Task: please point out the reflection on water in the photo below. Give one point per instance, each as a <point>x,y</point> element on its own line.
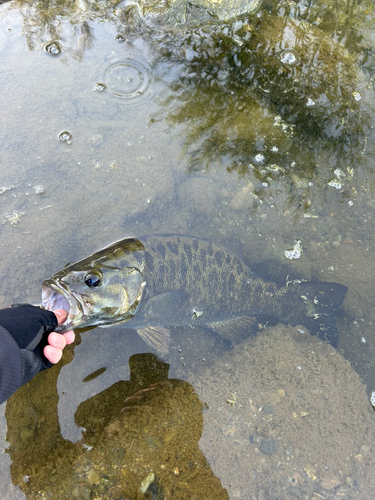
<point>147,427</point>
<point>284,105</point>
<point>181,117</point>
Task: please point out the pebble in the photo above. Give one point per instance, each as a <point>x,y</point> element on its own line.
<point>243,200</point>
<point>297,479</point>
<point>268,446</point>
<point>93,477</point>
<point>330,481</point>
<point>81,492</point>
<point>176,472</point>
<point>268,409</point>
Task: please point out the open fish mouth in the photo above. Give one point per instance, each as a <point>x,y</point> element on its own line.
<point>54,296</point>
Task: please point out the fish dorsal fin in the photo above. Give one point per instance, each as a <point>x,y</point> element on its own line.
<point>156,337</point>
<point>236,329</point>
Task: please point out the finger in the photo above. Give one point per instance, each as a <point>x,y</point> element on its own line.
<point>69,337</point>
<point>53,354</point>
<point>61,315</point>
<point>56,340</point>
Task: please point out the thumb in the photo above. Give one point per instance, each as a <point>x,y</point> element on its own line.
<point>61,315</point>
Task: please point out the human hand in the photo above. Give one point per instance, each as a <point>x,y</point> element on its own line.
<point>33,329</point>
<point>35,345</point>
<point>57,341</point>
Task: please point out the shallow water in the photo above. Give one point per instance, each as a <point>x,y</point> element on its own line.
<point>257,132</point>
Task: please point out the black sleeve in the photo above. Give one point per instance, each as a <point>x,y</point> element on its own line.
<point>11,373</point>
<point>24,330</point>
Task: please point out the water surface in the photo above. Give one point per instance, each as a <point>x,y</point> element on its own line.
<point>252,130</point>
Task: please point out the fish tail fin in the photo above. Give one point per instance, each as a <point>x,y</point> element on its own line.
<point>317,304</point>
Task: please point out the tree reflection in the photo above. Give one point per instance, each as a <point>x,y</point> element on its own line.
<point>279,81</point>
<point>45,21</point>
<point>277,98</point>
<point>283,95</point>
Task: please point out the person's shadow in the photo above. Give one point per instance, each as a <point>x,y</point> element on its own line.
<point>140,440</point>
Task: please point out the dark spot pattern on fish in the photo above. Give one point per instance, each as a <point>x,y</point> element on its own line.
<point>160,248</point>
<point>173,247</point>
<point>219,258</point>
<point>231,284</point>
<point>149,259</point>
<point>196,271</point>
<point>173,268</point>
<point>237,268</point>
<point>187,252</point>
<point>184,265</point>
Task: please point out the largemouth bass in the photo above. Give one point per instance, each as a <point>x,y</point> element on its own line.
<point>156,282</point>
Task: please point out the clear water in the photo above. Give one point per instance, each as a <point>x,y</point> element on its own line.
<point>256,131</point>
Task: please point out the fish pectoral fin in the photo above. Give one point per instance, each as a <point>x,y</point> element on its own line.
<point>235,329</point>
<point>156,337</point>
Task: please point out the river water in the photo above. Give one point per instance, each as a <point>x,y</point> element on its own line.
<point>252,127</point>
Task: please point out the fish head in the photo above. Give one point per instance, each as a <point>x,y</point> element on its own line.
<point>95,292</point>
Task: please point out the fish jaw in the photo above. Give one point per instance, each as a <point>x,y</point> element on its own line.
<point>55,296</point>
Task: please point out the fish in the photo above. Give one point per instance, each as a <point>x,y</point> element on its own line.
<point>156,282</point>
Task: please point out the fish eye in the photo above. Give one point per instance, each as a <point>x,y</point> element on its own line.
<point>92,280</point>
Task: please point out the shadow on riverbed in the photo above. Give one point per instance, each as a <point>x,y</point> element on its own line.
<point>141,433</point>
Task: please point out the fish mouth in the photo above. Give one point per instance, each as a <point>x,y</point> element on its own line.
<point>55,296</point>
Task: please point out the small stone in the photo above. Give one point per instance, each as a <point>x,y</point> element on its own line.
<point>176,472</point>
<point>297,479</point>
<point>268,409</point>
<point>268,446</point>
<point>82,492</point>
<point>93,477</point>
<point>330,481</point>
<point>244,199</point>
<point>146,482</point>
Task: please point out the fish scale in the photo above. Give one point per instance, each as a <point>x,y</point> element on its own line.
<point>209,274</point>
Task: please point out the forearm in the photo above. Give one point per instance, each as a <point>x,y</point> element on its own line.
<point>11,373</point>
